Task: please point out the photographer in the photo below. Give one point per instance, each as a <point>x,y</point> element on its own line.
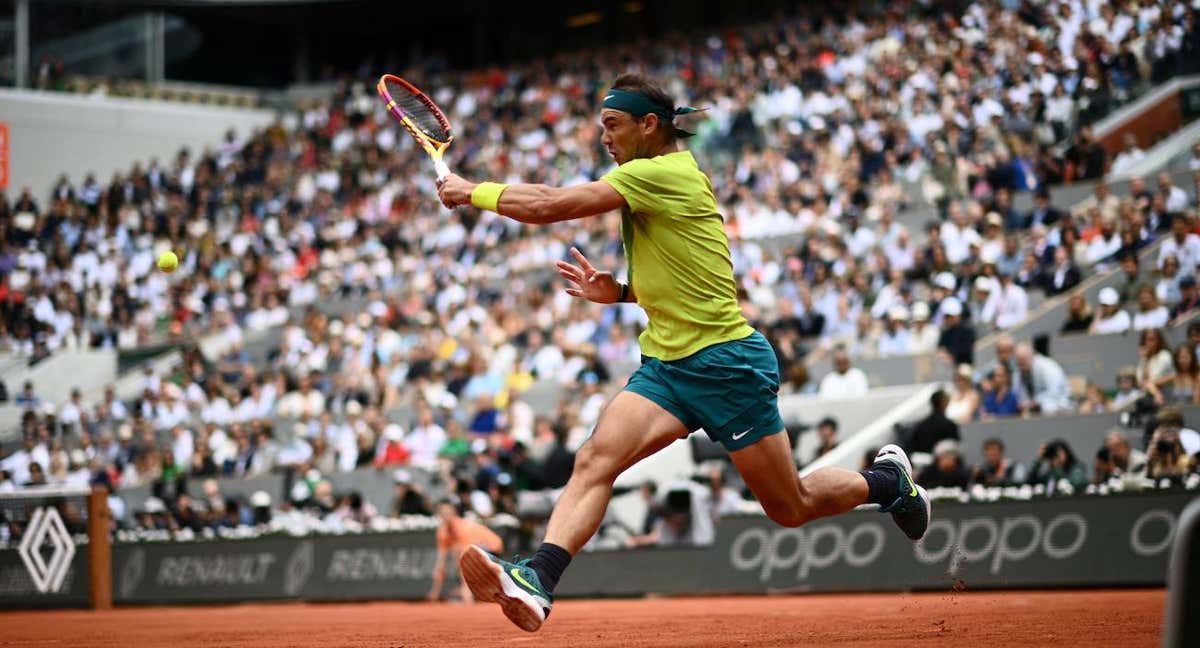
<point>1166,457</point>
<point>1055,463</point>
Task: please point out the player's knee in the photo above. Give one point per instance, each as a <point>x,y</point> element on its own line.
<point>593,466</point>
<point>788,514</point>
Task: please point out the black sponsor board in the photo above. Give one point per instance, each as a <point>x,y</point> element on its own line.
<point>18,588</point>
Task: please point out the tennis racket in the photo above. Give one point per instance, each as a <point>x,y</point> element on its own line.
<point>420,117</point>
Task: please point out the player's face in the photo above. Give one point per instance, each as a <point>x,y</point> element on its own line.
<point>623,135</point>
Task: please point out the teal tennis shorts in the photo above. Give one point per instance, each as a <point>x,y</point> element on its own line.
<point>730,389</point>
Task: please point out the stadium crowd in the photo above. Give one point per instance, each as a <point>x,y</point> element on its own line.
<point>820,135</point>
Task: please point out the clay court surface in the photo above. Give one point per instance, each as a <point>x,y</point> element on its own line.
<point>1091,618</point>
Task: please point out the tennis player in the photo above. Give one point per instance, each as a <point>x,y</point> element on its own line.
<point>703,366</point>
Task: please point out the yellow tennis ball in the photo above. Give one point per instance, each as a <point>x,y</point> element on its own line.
<point>167,261</point>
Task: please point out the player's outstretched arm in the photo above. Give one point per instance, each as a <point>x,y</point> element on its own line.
<point>536,203</point>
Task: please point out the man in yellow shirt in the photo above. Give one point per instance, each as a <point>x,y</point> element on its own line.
<point>703,366</point>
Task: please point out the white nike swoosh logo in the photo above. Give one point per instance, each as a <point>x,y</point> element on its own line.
<point>743,433</point>
<point>607,97</point>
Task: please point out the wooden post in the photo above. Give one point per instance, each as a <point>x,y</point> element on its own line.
<point>99,549</point>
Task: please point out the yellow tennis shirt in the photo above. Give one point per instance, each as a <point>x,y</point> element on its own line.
<point>678,256</point>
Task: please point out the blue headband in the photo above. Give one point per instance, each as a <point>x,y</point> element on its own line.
<point>640,105</point>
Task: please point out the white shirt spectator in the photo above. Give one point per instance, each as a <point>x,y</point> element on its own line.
<point>424,442</point>
<point>1187,252</point>
<point>958,241</point>
<point>1120,322</point>
<point>1126,159</point>
<point>182,448</point>
<point>1007,306</point>
<point>893,344</point>
<point>1156,318</point>
<point>852,384</point>
<point>1177,201</point>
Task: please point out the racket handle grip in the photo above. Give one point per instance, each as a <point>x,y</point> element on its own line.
<point>442,169</point>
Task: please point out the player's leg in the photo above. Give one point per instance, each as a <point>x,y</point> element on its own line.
<point>631,428</point>
<point>735,386</point>
<point>768,470</point>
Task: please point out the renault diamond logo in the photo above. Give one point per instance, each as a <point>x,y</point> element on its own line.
<point>46,525</point>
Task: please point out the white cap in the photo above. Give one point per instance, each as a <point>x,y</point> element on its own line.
<point>946,446</point>
<point>944,280</point>
<point>393,432</point>
<point>353,408</point>
<point>1035,58</point>
<point>153,505</point>
<point>920,312</point>
<point>402,476</point>
<point>1109,296</point>
<point>898,313</point>
<point>260,499</point>
<point>951,306</point>
<point>983,283</point>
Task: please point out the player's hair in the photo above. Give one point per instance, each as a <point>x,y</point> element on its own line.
<point>634,82</point>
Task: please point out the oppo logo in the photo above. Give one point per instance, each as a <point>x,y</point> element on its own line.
<point>805,549</point>
<point>997,541</point>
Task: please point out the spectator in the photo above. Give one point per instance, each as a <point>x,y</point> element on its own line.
<point>1043,213</point>
<point>1000,399</point>
<point>1130,277</point>
<point>1182,386</point>
<point>1189,298</point>
<point>1103,469</point>
<point>685,519</point>
<point>997,469</point>
<point>559,461</point>
<point>923,338</point>
<point>1064,276</point>
<point>1079,315</point>
<point>947,469</point>
<point>845,381</point>
<point>426,439</point>
<point>1044,381</point>
<point>1011,304</point>
<point>1167,288</point>
<point>26,398</point>
<point>723,500</point>
<point>1176,199</point>
<point>964,402</point>
<point>1127,392</point>
<point>392,451</point>
<point>957,341</point>
<point>1155,365</point>
<point>1056,463</point>
<point>1182,244</point>
<point>1094,400</point>
<point>827,440</point>
<point>1151,314</point>
<point>1166,457</point>
<point>895,339</point>
<point>1171,419</point>
<point>1125,458</point>
<point>1112,318</point>
<point>1129,155</point>
<point>933,428</point>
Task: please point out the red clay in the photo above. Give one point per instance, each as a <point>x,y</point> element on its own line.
<point>1126,618</point>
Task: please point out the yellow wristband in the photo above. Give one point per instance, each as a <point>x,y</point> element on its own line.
<point>486,195</point>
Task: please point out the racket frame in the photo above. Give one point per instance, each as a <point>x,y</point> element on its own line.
<point>433,148</point>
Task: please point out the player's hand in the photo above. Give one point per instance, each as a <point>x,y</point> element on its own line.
<point>587,282</point>
<point>454,190</point>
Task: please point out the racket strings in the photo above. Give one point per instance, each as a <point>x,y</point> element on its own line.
<point>419,111</point>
